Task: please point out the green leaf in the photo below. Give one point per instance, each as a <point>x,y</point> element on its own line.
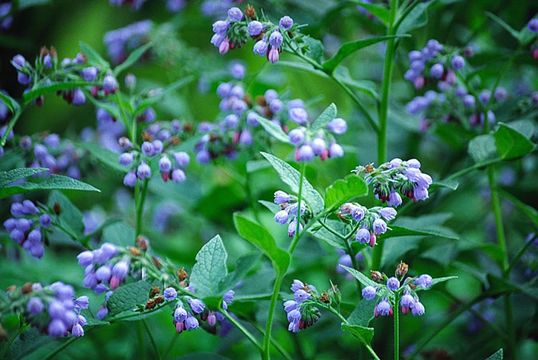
<point>498,355</point>
<point>274,130</point>
<point>428,230</point>
<point>27,343</point>
<point>343,190</point>
<point>350,47</point>
<point>7,177</point>
<point>93,56</point>
<point>50,182</point>
<point>292,177</point>
<point>528,210</point>
<point>15,109</point>
<point>242,267</point>
<point>363,333</point>
<point>70,216</point>
<point>436,281</point>
<point>363,313</point>
<point>107,157</point>
<point>511,143</point>
<point>363,279</point>
<point>119,233</point>
<point>504,25</point>
<point>11,103</point>
<point>271,206</point>
<point>417,18</point>
<point>449,184</point>
<point>128,296</point>
<point>324,118</point>
<point>314,49</point>
<point>133,58</point>
<point>210,268</point>
<point>482,148</point>
<point>325,235</point>
<point>380,11</point>
<point>263,240</point>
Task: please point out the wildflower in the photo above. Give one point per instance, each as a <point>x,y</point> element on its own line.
<point>424,281</point>
<point>286,23</point>
<point>383,308</point>
<point>393,284</point>
<point>170,294</point>
<point>369,292</point>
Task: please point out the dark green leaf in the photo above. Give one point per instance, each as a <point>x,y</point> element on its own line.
<point>511,143</point>
<point>242,267</point>
<point>93,56</point>
<point>50,182</point>
<point>482,148</point>
<point>504,25</point>
<point>70,216</point>
<point>133,58</point>
<point>210,268</point>
<point>7,177</point>
<point>363,313</point>
<point>427,230</point>
<point>363,279</point>
<point>128,296</point>
<point>528,210</point>
<point>380,11</point>
<point>349,48</point>
<point>324,118</point>
<point>274,130</point>
<point>15,109</point>
<point>343,190</point>
<point>262,239</point>
<point>11,103</point>
<point>107,157</point>
<point>292,177</point>
<point>363,333</point>
<point>498,355</point>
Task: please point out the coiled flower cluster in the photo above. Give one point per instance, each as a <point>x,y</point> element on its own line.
<point>301,312</point>
<point>405,288</point>
<point>28,227</point>
<point>52,309</point>
<point>397,178</point>
<point>288,213</point>
<point>369,222</point>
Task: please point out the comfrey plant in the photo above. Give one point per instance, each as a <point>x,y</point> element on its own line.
<point>53,310</point>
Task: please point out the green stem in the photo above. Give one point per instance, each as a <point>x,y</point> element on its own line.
<point>396,327</point>
<point>384,110</point>
<point>274,297</point>
<point>139,200</point>
<point>152,340</point>
<point>297,236</point>
<point>241,328</point>
<point>277,346</point>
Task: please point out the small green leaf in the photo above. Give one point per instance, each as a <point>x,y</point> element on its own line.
<point>263,240</point>
<point>363,279</point>
<point>50,182</point>
<point>417,18</point>
<point>292,177</point>
<point>15,109</point>
<point>528,210</point>
<point>511,143</point>
<point>449,184</point>
<point>482,148</point>
<point>314,49</point>
<point>133,58</point>
<point>498,355</point>
<point>274,130</point>
<point>107,157</point>
<point>363,333</point>
<point>349,48</point>
<point>324,118</point>
<point>343,190</point>
<point>7,177</point>
<point>210,268</point>
<point>128,296</point>
<point>93,56</point>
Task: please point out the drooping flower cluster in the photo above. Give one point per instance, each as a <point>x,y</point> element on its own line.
<point>288,213</point>
<point>397,287</point>
<point>369,222</point>
<point>28,227</point>
<point>237,28</point>
<point>160,141</point>
<point>53,309</point>
<point>122,41</point>
<point>397,178</point>
<point>301,312</point>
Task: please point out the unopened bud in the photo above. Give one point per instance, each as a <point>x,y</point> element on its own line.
<point>401,269</point>
<point>376,275</point>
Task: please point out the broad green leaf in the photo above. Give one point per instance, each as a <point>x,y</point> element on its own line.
<point>263,240</point>
<point>511,143</point>
<point>128,296</point>
<point>498,355</point>
<point>70,216</point>
<point>315,49</point>
<point>482,148</point>
<point>107,157</point>
<point>274,130</point>
<point>93,56</point>
<point>528,210</point>
<point>242,266</point>
<point>436,281</point>
<point>380,11</point>
<point>50,182</point>
<point>417,18</point>
<point>271,206</point>
<point>256,165</point>
<point>26,343</point>
<point>161,93</point>
<point>349,48</point>
<point>363,313</point>
<point>119,233</point>
<point>210,268</point>
<point>324,118</point>
<point>363,333</point>
<point>133,58</point>
<point>363,279</point>
<point>343,190</point>
<point>7,177</point>
<point>292,177</point>
<point>53,87</point>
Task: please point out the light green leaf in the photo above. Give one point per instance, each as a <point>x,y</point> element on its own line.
<point>380,11</point>
<point>315,49</point>
<point>363,333</point>
<point>50,182</point>
<point>482,148</point>
<point>93,56</point>
<point>363,279</point>
<point>427,230</point>
<point>11,103</point>
<point>210,268</point>
<point>7,177</point>
<point>292,177</point>
<point>263,240</point>
<point>363,313</point>
<point>325,235</point>
<point>274,130</point>
<point>449,184</point>
<point>343,190</point>
<point>119,233</point>
<point>417,18</point>
<point>324,118</point>
<point>511,143</point>
<point>243,265</point>
<point>128,296</point>
<point>133,58</point>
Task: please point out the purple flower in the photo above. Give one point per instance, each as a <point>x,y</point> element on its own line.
<point>165,164</point>
<point>77,330</point>
<point>458,62</point>
<point>298,115</point>
<point>82,302</point>
<point>196,305</point>
<point>89,73</point>
<point>337,126</point>
<point>357,212</point>
<point>56,328</point>
<point>220,27</point>
<point>424,281</point>
<point>282,217</point>
<point>178,175</point>
<point>273,55</point>
<point>388,213</point>
<point>297,285</point>
<point>417,309</point>
<point>143,171</point>
<point>276,39</point>
<point>406,302</point>
<point>437,71</point>
<point>103,273</point>
<point>469,101</point>
<point>191,323</point>
<point>102,312</point>
<point>126,159</point>
<point>296,136</point>
<point>393,284</point>
<point>363,236</point>
<point>290,305</point>
<point>182,159</point>
<point>110,84</point>
<point>305,153</point>
<point>533,25</point>
<point>369,292</point>
<point>336,151</point>
<point>379,226</point>
<point>170,294</point>
<point>129,179</point>
<point>228,297</point>
<point>500,94</point>
<point>45,220</point>
<point>35,306</point>
<point>261,47</point>
<point>319,146</point>
<point>120,270</point>
<point>301,295</point>
<point>18,61</point>
<point>281,197</point>
<point>286,22</point>
<point>85,258</point>
<point>255,28</point>
<point>383,308</point>
<point>180,314</point>
<point>235,14</point>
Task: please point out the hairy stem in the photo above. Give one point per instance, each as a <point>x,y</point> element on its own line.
<point>274,297</point>
<point>139,205</point>
<point>396,327</point>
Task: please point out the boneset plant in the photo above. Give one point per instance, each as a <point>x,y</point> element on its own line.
<point>370,218</point>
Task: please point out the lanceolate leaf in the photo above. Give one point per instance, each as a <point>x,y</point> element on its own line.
<point>133,58</point>
<point>436,281</point>
<point>292,177</point>
<point>273,129</point>
<point>93,56</point>
<point>7,177</point>
<point>428,230</point>
<point>324,118</point>
<point>107,157</point>
<point>363,279</point>
<point>498,355</point>
<point>343,190</point>
<point>50,182</point>
<point>380,11</point>
<point>52,88</point>
<point>69,215</point>
<point>210,268</point>
<point>11,103</point>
